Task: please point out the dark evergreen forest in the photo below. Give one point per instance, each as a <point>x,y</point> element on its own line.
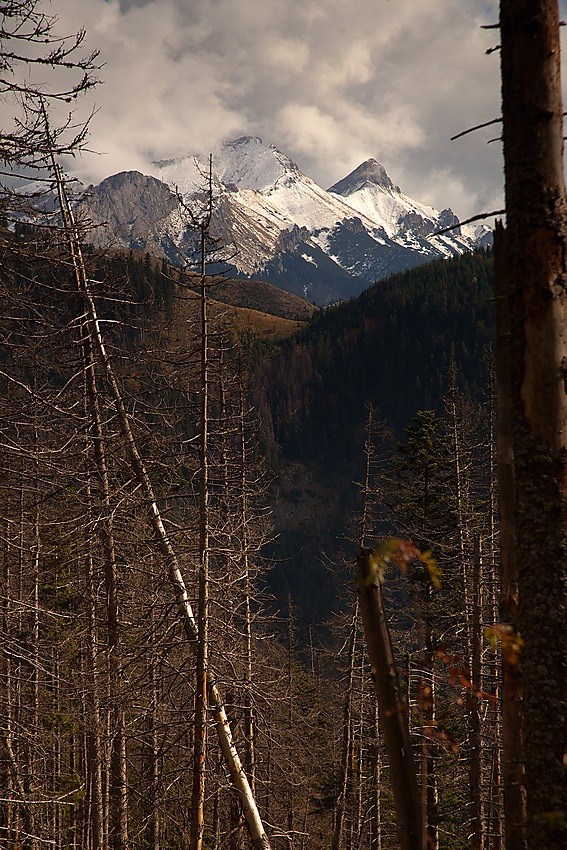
<point>391,346</point>
<point>394,347</point>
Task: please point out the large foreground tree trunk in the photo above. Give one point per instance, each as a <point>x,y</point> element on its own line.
<point>531,292</point>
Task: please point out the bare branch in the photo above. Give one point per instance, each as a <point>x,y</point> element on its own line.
<point>476,127</point>
<point>479,217</point>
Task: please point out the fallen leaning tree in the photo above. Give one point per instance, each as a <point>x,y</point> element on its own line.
<point>238,776</point>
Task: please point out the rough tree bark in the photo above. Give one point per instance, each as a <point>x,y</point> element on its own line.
<point>531,290</point>
<point>512,734</point>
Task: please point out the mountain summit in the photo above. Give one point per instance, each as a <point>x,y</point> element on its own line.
<point>278,223</point>
<point>246,163</point>
<point>370,173</point>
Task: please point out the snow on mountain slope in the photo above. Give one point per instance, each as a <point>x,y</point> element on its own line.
<point>369,190</point>
<point>381,201</point>
<point>268,182</point>
<point>250,164</point>
<point>308,205</point>
<point>245,162</point>
<point>276,219</point>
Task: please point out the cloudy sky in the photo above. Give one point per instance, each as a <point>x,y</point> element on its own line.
<point>329,82</point>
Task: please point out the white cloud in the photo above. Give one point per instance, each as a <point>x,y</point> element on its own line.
<point>330,82</point>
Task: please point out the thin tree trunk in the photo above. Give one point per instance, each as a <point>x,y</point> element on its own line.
<point>243,486</point>
<point>94,733</point>
<point>347,739</point>
<point>200,744</point>
<point>290,777</point>
<point>393,715</point>
<point>359,821</point>
<point>375,825</point>
<point>216,828</point>
<point>56,746</point>
<point>35,638</point>
<point>475,741</point>
<point>154,771</point>
<point>493,838</point>
<point>118,779</point>
<point>460,516</point>
<point>374,805</point>
<point>18,785</point>
<point>9,771</point>
<point>426,716</point>
<point>5,781</point>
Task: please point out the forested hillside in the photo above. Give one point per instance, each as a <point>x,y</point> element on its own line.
<point>104,532</point>
<point>96,675</point>
<point>392,347</point>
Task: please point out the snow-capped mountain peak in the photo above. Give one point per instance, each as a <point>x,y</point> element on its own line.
<point>369,190</point>
<point>279,224</point>
<point>369,173</point>
<point>250,164</point>
<point>246,163</point>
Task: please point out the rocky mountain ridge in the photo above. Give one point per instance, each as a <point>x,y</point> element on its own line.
<point>276,223</point>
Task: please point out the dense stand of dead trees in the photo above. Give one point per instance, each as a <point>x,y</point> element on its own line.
<point>128,751</point>
<point>129,488</point>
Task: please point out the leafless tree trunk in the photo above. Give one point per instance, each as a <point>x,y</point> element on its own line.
<point>532,280</point>
<point>393,715</point>
<point>118,778</point>
<point>8,759</point>
<point>244,556</point>
<point>154,766</point>
<point>360,814</point>
<point>291,777</point>
<point>347,739</point>
<point>94,730</point>
<point>375,832</point>
<point>55,747</point>
<point>494,836</point>
<point>512,730</point>
<point>375,824</point>
<point>200,753</point>
<point>461,530</point>
<point>475,741</point>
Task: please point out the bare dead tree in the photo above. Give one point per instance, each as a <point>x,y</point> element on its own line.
<point>393,715</point>
<point>139,470</point>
